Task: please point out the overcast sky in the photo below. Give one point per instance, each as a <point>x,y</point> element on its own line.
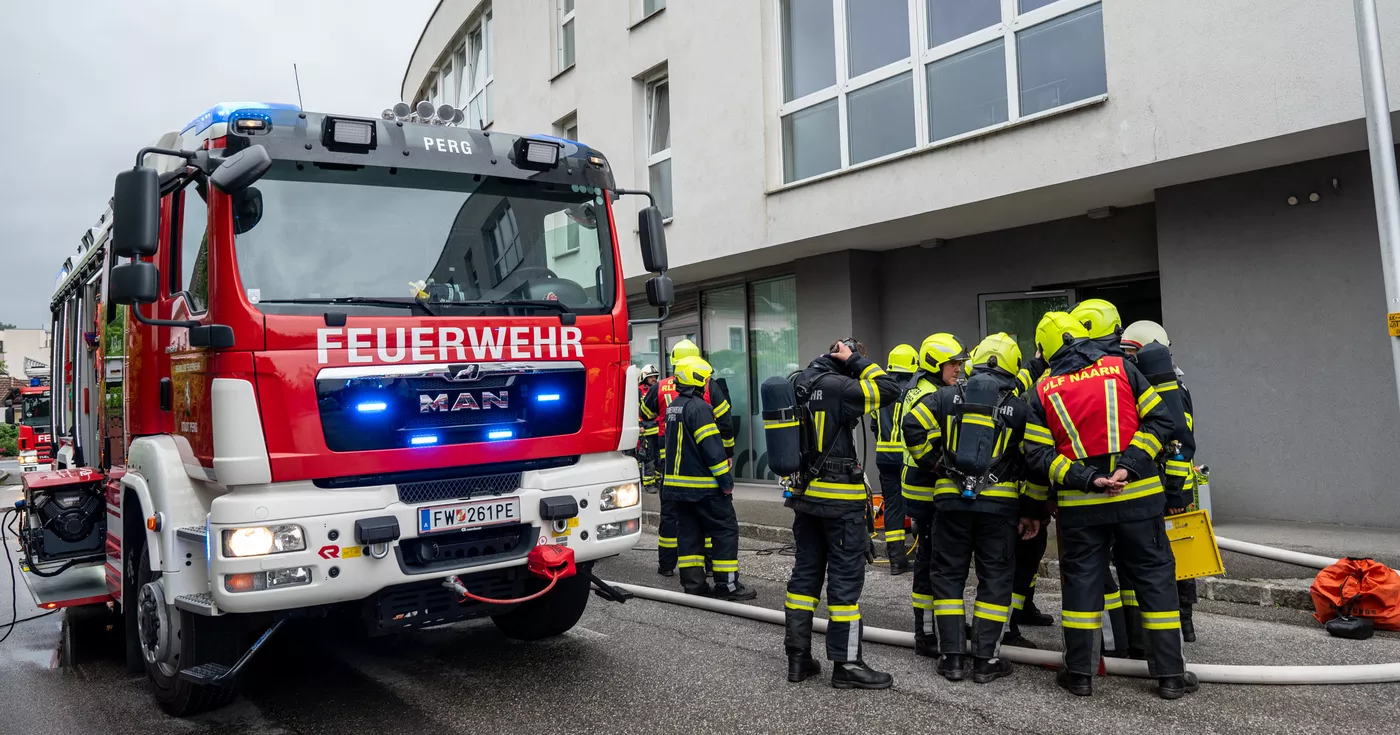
<point>87,83</point>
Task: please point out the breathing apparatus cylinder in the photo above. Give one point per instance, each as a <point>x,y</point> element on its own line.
<point>977,426</point>
<point>782,429</point>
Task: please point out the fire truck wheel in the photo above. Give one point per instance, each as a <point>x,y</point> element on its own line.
<point>172,639</point>
<point>547,616</point>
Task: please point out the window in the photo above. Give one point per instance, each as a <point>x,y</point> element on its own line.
<point>449,90</point>
<point>193,276</point>
<point>502,236</point>
<point>476,83</point>
<point>652,7</point>
<point>736,338</point>
<point>866,79</point>
<point>772,324</point>
<point>654,345</point>
<point>659,143</point>
<point>646,345</point>
<point>566,34</point>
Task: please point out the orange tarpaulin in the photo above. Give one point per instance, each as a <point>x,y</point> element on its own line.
<point>1362,587</point>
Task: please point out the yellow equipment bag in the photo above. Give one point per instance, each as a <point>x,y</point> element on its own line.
<point>1193,544</point>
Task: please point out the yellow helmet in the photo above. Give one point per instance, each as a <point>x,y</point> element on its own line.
<point>683,349</point>
<point>1099,317</point>
<point>1139,334</point>
<point>938,349</point>
<point>997,351</point>
<point>693,371</point>
<point>904,359</point>
<point>1057,329</point>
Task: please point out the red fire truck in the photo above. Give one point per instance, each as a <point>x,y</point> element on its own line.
<point>29,411</point>
<point>374,369</point>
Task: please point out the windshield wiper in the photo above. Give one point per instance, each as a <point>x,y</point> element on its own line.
<point>566,315</point>
<point>407,303</point>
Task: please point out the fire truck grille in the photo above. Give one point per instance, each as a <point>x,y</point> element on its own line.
<point>487,382</point>
<point>419,605</point>
<point>462,418</point>
<point>414,493</point>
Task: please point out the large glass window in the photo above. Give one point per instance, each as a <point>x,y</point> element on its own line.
<point>565,13</point>
<point>194,248</point>
<point>347,236</point>
<point>772,313</point>
<point>659,143</point>
<point>861,80</point>
<point>479,76</point>
<point>646,343</point>
<point>721,311</point>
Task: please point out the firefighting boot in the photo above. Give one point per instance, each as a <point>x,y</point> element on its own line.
<point>1188,626</point>
<point>1013,637</point>
<point>899,560</point>
<point>663,571</point>
<point>1030,615</point>
<point>1080,685</point>
<point>952,666</point>
<point>1176,687</point>
<point>927,649</point>
<point>987,670</point>
<point>856,675</point>
<point>801,666</point>
<point>736,593</point>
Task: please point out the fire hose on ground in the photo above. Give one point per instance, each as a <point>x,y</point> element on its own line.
<point>1209,673</point>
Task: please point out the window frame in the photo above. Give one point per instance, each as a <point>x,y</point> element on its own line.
<point>917,64</point>
<point>175,280</point>
<point>484,24</point>
<point>563,18</point>
<point>650,85</point>
<point>642,13</point>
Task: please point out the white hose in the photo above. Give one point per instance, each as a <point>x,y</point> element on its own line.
<point>1269,552</point>
<point>1211,673</point>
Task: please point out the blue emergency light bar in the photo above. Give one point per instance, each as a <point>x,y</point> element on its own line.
<point>500,434</point>
<point>547,397</point>
<point>423,440</point>
<point>221,113</point>
<point>371,407</point>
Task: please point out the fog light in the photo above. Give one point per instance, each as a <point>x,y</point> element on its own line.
<point>260,540</point>
<point>268,580</point>
<point>620,496</point>
<point>618,528</point>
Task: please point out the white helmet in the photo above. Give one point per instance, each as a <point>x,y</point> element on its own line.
<point>1142,333</point>
<point>649,371</point>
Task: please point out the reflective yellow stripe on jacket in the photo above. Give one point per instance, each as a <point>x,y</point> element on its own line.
<point>1009,489</point>
<point>1134,490</point>
<point>836,490</point>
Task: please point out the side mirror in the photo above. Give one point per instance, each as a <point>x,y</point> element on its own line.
<point>653,234</point>
<point>136,213</point>
<point>660,291</point>
<point>9,415</point>
<point>241,170</point>
<point>137,282</point>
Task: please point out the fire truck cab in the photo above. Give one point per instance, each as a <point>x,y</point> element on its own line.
<point>320,366</point>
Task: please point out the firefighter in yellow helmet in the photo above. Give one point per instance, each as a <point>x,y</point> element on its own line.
<point>696,477</point>
<point>654,408</point>
<point>941,359</point>
<point>972,436</point>
<point>647,441</point>
<point>1095,428</point>
<point>889,458</point>
<point>1147,344</point>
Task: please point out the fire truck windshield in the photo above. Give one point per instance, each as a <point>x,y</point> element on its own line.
<point>36,411</point>
<point>309,233</point>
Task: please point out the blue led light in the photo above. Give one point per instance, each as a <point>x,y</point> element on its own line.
<point>500,434</point>
<point>371,407</point>
<point>422,440</point>
<point>547,397</point>
<point>221,113</point>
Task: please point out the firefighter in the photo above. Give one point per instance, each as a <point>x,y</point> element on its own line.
<point>889,459</point>
<point>646,445</point>
<point>973,432</point>
<point>829,504</point>
<point>1122,623</point>
<point>1178,460</point>
<point>654,407</point>
<point>1029,551</point>
<point>1094,426</point>
<point>696,476</point>
<point>941,359</point>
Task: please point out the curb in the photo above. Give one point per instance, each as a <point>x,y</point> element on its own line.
<point>753,531</point>
<point>1287,593</point>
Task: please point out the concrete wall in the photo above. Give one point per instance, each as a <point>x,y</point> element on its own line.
<point>926,291</point>
<point>1276,314</point>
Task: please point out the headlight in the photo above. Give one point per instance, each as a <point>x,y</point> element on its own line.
<point>620,496</point>
<point>628,527</point>
<point>261,540</point>
<point>28,459</point>
<point>269,580</point>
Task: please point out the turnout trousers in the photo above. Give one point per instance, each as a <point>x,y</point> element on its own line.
<point>890,490</point>
<point>708,526</point>
<point>989,540</point>
<point>834,549</point>
<point>1029,552</point>
<point>667,533</point>
<point>1146,565</point>
<point>922,513</point>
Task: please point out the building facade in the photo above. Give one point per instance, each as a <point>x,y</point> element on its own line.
<point>885,169</point>
<point>25,352</point>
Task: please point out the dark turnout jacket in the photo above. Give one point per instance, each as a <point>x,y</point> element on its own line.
<point>694,465</point>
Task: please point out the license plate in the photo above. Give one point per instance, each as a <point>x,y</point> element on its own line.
<point>463,516</point>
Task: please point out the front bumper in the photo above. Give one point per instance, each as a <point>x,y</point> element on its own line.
<point>343,571</point>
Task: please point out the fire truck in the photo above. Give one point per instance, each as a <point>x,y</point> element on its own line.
<point>323,366</point>
<point>29,411</point>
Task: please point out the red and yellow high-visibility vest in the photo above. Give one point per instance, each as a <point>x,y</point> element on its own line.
<point>666,392</point>
<point>1091,412</point>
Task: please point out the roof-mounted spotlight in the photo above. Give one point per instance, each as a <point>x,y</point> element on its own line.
<point>402,111</point>
<point>536,154</point>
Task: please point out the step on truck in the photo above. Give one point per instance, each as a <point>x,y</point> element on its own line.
<point>370,370</point>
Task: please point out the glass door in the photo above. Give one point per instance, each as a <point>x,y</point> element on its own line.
<point>670,336</point>
<point>1017,314</point>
